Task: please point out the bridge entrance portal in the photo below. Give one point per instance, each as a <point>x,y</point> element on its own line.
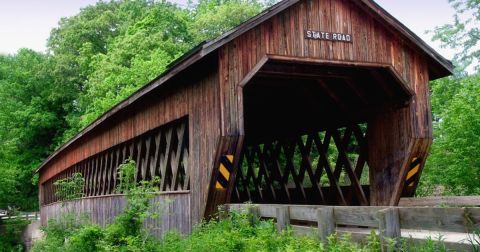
<point>306,127</point>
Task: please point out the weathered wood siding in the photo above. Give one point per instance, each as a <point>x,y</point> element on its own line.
<point>172,209</point>
<point>198,100</point>
<point>284,35</point>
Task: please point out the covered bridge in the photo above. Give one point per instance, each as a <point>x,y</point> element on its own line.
<point>309,102</point>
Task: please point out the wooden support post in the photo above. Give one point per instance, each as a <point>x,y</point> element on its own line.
<point>398,136</point>
<point>389,227</point>
<point>326,222</point>
<point>220,194</point>
<point>283,218</point>
<point>389,145</point>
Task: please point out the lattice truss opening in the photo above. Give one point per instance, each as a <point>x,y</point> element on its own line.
<point>325,167</point>
<point>161,152</point>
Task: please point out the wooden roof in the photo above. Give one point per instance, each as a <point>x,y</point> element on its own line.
<point>438,65</point>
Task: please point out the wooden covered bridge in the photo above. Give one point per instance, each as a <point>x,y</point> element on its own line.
<point>310,102</point>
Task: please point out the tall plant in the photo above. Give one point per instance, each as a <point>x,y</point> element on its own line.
<point>127,230</point>
<point>70,188</point>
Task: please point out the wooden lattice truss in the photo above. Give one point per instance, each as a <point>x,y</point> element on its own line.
<point>162,152</point>
<point>326,167</point>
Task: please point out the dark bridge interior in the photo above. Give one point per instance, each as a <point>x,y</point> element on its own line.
<point>288,98</point>
<point>305,132</point>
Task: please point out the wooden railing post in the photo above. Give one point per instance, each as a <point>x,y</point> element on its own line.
<point>388,226</point>
<point>326,222</point>
<point>283,218</point>
<point>223,212</point>
<point>254,214</point>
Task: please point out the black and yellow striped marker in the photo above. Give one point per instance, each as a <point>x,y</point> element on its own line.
<point>414,168</point>
<point>225,169</point>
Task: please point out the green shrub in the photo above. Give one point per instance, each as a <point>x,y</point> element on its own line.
<point>10,234</point>
<point>236,233</point>
<point>75,233</point>
<point>88,238</point>
<point>127,232</point>
<point>239,233</point>
<point>59,232</point>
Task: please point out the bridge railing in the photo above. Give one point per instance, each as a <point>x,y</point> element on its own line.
<point>23,216</point>
<point>458,201</point>
<point>388,222</point>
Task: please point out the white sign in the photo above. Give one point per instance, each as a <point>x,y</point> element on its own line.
<point>332,36</point>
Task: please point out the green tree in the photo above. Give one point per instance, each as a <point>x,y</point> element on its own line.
<point>463,34</point>
<point>134,58</point>
<point>78,40</point>
<point>31,117</point>
<point>454,162</point>
<point>211,18</point>
<point>132,48</point>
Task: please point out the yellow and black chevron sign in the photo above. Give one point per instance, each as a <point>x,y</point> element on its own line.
<point>225,169</point>
<point>414,169</point>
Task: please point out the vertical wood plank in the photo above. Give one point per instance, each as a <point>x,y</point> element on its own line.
<point>389,227</point>
<point>325,222</point>
<point>283,218</point>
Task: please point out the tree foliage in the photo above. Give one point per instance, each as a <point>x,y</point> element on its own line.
<point>134,58</point>
<point>31,119</point>
<point>213,17</point>
<point>463,34</point>
<point>454,164</point>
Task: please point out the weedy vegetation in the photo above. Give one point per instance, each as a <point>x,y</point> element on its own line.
<point>10,233</point>
<point>239,231</point>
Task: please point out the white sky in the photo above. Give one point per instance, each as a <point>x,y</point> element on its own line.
<point>27,23</point>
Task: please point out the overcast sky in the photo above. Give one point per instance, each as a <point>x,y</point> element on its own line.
<point>27,23</point>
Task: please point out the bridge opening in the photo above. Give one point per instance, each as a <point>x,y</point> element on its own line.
<point>306,127</point>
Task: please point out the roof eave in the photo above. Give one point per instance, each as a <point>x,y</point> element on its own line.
<point>443,66</point>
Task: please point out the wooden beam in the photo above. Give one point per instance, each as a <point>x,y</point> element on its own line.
<point>355,183</point>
